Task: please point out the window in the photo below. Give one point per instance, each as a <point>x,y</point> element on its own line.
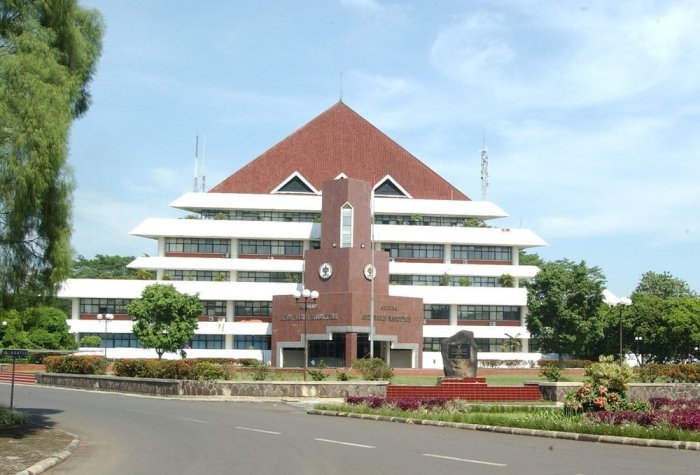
<point>432,344</point>
<point>115,340</point>
<point>198,275</point>
<point>451,221</point>
<point>408,279</point>
<point>252,342</point>
<point>247,276</point>
<point>436,312</point>
<point>483,253</point>
<point>198,246</point>
<point>491,345</point>
<point>270,248</point>
<point>114,306</point>
<point>346,226</point>
<point>252,308</point>
<point>491,313</point>
<point>388,188</point>
<point>214,308</point>
<point>413,251</point>
<point>207,342</point>
<point>295,185</point>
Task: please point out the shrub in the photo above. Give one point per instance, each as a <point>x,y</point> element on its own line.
<point>247,362</point>
<point>373,369</point>
<point>91,341</point>
<point>206,370</point>
<point>592,397</point>
<point>11,417</point>
<point>260,371</point>
<point>551,371</point>
<point>177,369</point>
<point>318,374</point>
<point>615,377</point>
<point>72,364</point>
<point>649,372</point>
<point>131,368</point>
<point>342,376</point>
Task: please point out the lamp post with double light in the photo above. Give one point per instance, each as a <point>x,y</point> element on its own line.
<point>107,317</point>
<point>306,294</point>
<point>623,302</point>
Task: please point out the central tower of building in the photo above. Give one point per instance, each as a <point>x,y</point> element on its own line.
<point>353,283</point>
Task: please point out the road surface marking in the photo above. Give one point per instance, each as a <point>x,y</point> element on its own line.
<point>346,443</point>
<point>196,420</point>
<point>259,430</point>
<point>466,460</point>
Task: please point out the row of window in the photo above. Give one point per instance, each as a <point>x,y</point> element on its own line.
<point>199,342</point>
<point>259,215</point>
<point>198,245</point>
<point>458,252</point>
<point>486,345</point>
<point>198,275</point>
<point>492,313</point>
<point>450,221</point>
<point>257,308</point>
<point>296,248</point>
<point>454,280</point>
<point>271,248</point>
<point>211,308</point>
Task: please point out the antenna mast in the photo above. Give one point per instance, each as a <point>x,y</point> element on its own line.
<point>199,178</point>
<point>484,169</point>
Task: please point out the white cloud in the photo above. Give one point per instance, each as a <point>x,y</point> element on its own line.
<point>561,56</point>
<point>362,4</point>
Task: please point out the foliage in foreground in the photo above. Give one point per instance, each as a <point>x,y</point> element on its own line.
<point>11,417</point>
<point>73,364</point>
<point>528,417</point>
<point>165,319</point>
<point>373,369</point>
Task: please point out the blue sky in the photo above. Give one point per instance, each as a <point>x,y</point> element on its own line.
<point>590,111</point>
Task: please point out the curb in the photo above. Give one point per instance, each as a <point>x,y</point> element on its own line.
<point>606,439</point>
<point>55,459</point>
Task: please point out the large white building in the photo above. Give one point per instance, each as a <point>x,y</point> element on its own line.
<point>340,208</point>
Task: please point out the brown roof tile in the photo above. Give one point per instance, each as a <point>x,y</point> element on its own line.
<point>339,141</point>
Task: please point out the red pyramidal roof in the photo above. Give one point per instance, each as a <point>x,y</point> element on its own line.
<point>339,141</point>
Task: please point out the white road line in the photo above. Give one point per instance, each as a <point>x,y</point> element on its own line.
<point>196,420</point>
<point>466,460</point>
<point>346,443</point>
<point>259,430</point>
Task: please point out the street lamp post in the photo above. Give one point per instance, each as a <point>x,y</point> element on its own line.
<point>107,317</point>
<point>638,340</point>
<point>306,294</point>
<point>624,302</point>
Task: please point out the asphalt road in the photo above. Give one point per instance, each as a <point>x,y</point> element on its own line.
<point>135,435</point>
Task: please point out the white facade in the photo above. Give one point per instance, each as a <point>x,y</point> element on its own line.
<point>225,327</point>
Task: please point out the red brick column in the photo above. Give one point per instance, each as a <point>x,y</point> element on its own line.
<point>350,348</point>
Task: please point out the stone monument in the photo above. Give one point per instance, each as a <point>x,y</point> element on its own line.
<point>459,355</point>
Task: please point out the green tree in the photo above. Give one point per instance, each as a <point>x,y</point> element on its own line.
<point>37,328</point>
<point>564,300</point>
<point>663,285</point>
<point>48,53</point>
<point>666,316</point>
<point>48,329</point>
<point>530,259</point>
<point>165,319</point>
<point>104,267</point>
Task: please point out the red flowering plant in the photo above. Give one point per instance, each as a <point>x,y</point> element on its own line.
<point>594,397</point>
<point>605,391</point>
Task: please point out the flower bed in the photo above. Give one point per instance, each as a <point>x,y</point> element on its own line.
<point>681,413</point>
